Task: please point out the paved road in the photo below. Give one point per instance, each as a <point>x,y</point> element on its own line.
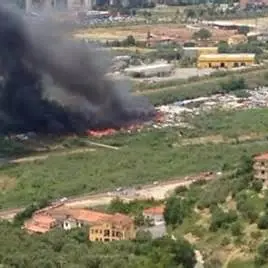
<point>157,191</point>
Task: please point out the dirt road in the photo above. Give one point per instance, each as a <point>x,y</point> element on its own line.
<point>157,191</point>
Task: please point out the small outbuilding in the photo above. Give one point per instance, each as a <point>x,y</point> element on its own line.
<point>159,69</point>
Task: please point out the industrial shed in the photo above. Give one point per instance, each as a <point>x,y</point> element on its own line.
<point>161,69</point>
<point>225,60</point>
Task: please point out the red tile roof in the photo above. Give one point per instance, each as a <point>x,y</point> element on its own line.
<point>155,210</point>
<point>40,223</point>
<point>43,219</point>
<point>261,157</point>
<point>87,215</point>
<point>30,227</point>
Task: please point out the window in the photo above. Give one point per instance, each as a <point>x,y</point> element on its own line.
<point>118,234</point>
<point>113,233</point>
<point>209,65</point>
<point>262,172</point>
<point>222,64</point>
<point>262,163</point>
<point>100,231</point>
<point>96,231</point>
<point>106,232</point>
<point>97,239</point>
<point>106,239</point>
<point>236,64</point>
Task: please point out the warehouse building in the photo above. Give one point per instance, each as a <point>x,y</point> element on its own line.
<point>194,52</point>
<point>225,60</point>
<point>159,69</point>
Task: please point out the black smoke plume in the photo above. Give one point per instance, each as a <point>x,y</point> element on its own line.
<point>80,96</point>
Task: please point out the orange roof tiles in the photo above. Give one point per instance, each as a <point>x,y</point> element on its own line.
<point>43,219</point>
<point>31,227</point>
<point>261,157</point>
<point>87,215</point>
<point>155,210</point>
<point>40,223</point>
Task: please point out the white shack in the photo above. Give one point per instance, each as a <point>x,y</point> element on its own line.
<point>159,69</point>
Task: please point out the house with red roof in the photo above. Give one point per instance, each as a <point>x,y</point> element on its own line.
<point>155,214</point>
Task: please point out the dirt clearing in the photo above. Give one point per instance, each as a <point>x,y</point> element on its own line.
<point>140,32</point>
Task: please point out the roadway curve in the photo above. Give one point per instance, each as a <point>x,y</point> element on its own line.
<point>157,191</point>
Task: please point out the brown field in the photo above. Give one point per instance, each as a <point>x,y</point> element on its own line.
<point>139,32</point>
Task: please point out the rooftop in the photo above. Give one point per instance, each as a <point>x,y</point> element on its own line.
<point>155,210</point>
<point>87,215</point>
<point>35,228</point>
<point>260,157</point>
<point>43,219</point>
<point>148,67</point>
<point>39,223</point>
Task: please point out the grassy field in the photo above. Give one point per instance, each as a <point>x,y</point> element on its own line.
<point>144,157</point>
<point>230,123</point>
<point>203,86</point>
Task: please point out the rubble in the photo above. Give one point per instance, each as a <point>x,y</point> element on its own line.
<point>175,114</point>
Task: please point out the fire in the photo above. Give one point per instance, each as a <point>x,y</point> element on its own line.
<point>159,117</point>
<point>101,133</point>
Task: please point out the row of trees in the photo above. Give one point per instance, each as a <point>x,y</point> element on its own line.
<point>72,249</point>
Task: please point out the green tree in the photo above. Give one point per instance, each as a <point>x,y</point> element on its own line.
<point>263,222</point>
<point>202,34</point>
<point>262,253</point>
<point>236,228</point>
<point>257,185</point>
<point>183,253</point>
<point>175,210</point>
<point>223,47</point>
<point>221,219</point>
<point>129,41</point>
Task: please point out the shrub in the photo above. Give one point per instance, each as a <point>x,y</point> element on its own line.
<point>236,228</point>
<point>263,222</point>
<point>257,185</point>
<point>181,189</point>
<point>225,241</point>
<point>233,84</point>
<point>255,235</point>
<point>221,219</point>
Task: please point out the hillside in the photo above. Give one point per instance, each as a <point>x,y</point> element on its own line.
<point>226,219</point>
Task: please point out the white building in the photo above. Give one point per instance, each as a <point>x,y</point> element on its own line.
<point>159,69</point>
<point>155,215</point>
<point>70,223</point>
<point>54,4</point>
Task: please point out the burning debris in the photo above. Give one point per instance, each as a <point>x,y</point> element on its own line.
<point>81,97</point>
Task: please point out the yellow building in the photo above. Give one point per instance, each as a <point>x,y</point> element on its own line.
<point>113,227</point>
<point>260,167</point>
<point>225,60</point>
